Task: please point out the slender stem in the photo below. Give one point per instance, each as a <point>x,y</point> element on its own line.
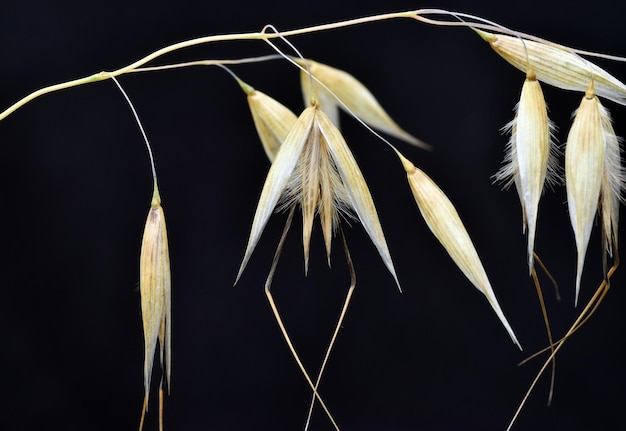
<point>419,14</point>
<point>279,320</point>
<point>339,323</point>
<point>546,321</point>
<point>547,273</point>
<point>193,42</point>
<point>589,309</point>
<point>143,412</point>
<point>161,396</point>
<point>246,60</point>
<point>56,87</point>
<point>143,132</point>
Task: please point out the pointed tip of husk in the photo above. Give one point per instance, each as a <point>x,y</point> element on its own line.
<point>306,264</point>
<point>398,284</point>
<point>579,275</point>
<point>503,320</point>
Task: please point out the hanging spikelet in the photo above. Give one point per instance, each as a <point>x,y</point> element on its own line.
<point>556,65</point>
<point>530,159</point>
<point>445,223</point>
<point>155,289</point>
<point>272,119</point>
<point>357,98</point>
<point>315,168</point>
<point>585,170</point>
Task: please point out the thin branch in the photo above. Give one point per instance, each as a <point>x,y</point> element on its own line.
<point>279,320</point>
<point>339,323</point>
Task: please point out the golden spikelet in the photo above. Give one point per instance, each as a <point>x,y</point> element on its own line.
<point>358,100</point>
<point>445,223</point>
<point>315,168</point>
<point>585,155</point>
<point>271,119</point>
<point>530,159</point>
<point>556,65</point>
<point>155,288</point>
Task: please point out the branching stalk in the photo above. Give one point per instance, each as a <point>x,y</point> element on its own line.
<point>419,14</point>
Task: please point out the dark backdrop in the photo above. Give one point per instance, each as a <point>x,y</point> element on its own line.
<point>75,187</point>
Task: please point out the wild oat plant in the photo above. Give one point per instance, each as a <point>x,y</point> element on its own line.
<point>312,171</point>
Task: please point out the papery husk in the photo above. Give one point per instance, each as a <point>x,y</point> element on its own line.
<point>357,98</point>
<point>360,197</point>
<point>277,179</point>
<point>445,223</point>
<point>272,119</point>
<point>556,65</point>
<point>585,152</point>
<point>155,290</point>
<point>315,168</point>
<point>530,159</point>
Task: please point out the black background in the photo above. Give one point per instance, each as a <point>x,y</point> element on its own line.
<point>75,186</point>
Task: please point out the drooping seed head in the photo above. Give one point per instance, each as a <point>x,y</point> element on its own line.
<point>315,168</point>
<point>357,98</point>
<point>272,119</point>
<point>445,223</point>
<point>594,175</point>
<point>155,290</point>
<point>585,154</point>
<point>530,159</point>
<point>556,65</point>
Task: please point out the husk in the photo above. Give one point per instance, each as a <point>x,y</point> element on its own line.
<point>556,65</point>
<point>357,99</point>
<point>155,290</point>
<point>272,120</point>
<point>584,170</point>
<point>445,223</point>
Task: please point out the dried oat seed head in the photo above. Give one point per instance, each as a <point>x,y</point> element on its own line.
<point>556,65</point>
<point>445,223</point>
<point>272,119</point>
<point>315,168</point>
<point>358,100</point>
<point>585,154</point>
<point>155,289</point>
<point>530,159</point>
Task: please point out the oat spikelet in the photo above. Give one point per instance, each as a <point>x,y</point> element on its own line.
<point>356,97</point>
<point>315,168</point>
<point>360,198</point>
<point>272,119</point>
<point>530,159</point>
<point>155,289</point>
<point>277,178</point>
<point>445,223</point>
<point>556,66</point>
<point>585,154</point>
